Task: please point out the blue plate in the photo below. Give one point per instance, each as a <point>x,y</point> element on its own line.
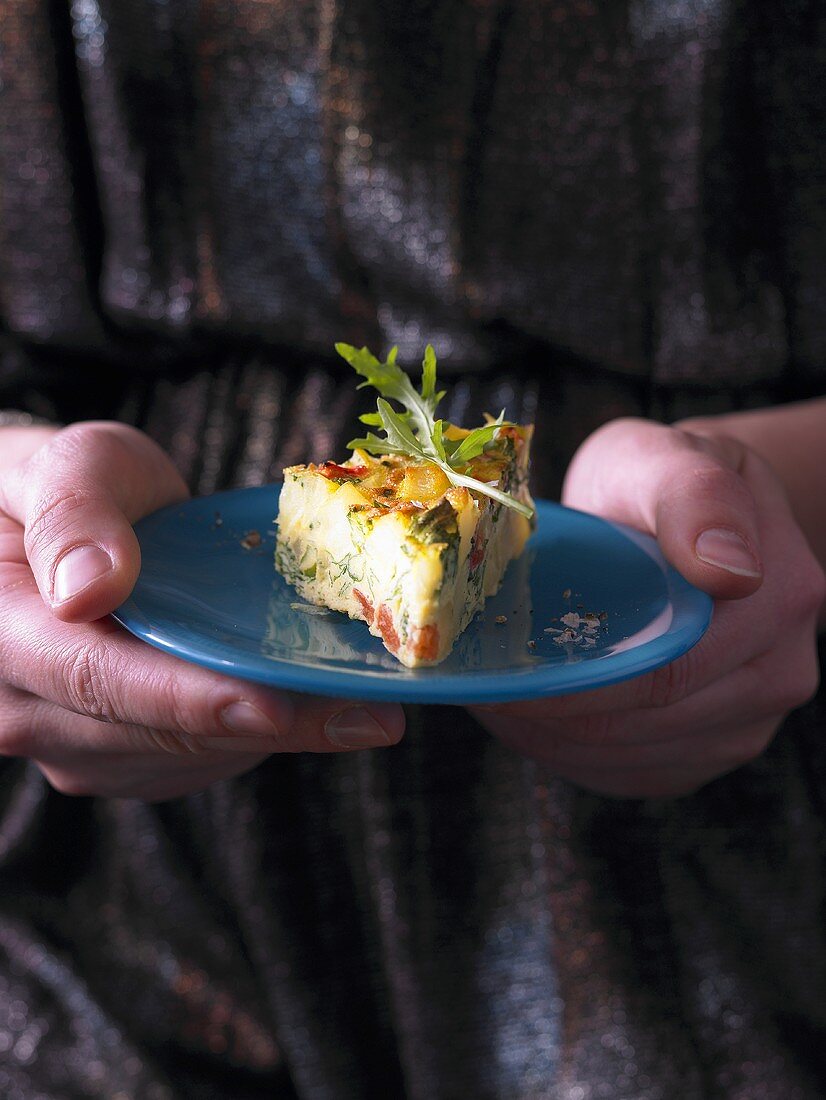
<point>209,596</point>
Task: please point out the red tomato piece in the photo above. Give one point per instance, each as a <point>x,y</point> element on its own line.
<point>366,606</point>
<point>332,469</point>
<point>426,644</point>
<point>388,630</point>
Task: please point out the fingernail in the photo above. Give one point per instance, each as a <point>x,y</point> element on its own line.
<point>244,717</point>
<point>77,569</point>
<point>726,549</point>
<point>355,728</point>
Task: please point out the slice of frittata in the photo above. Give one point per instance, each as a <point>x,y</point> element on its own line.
<point>391,541</point>
<point>416,529</point>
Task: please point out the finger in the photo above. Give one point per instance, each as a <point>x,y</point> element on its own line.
<point>688,748</point>
<point>717,729</point>
<point>48,733</point>
<point>336,725</point>
<point>686,490</point>
<point>99,671</point>
<point>69,751</point>
<point>674,770</point>
<point>709,720</point>
<point>139,775</point>
<point>77,498</point>
<point>676,777</point>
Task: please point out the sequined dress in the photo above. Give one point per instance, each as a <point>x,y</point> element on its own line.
<point>591,209</point>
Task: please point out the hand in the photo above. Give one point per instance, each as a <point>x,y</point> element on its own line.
<point>99,711</point>
<point>722,518</point>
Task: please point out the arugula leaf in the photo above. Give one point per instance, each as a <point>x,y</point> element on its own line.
<point>415,432</point>
<point>391,381</point>
<point>474,444</point>
<point>438,439</point>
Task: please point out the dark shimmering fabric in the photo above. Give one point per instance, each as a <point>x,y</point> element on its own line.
<point>638,183</point>
<point>596,209</point>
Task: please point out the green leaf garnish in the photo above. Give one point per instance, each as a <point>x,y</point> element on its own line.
<point>415,432</point>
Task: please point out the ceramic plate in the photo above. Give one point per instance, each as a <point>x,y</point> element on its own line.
<point>208,593</point>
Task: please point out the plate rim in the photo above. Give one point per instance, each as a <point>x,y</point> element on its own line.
<point>414,685</point>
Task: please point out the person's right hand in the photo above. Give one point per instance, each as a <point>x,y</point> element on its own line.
<point>99,711</point>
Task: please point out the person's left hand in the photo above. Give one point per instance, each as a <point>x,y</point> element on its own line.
<point>722,519</point>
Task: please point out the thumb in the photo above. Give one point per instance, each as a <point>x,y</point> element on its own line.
<point>687,490</point>
<point>77,498</point>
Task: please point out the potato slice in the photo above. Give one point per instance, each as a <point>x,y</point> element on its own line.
<point>424,483</point>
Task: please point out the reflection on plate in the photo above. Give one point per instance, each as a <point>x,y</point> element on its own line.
<point>209,594</point>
